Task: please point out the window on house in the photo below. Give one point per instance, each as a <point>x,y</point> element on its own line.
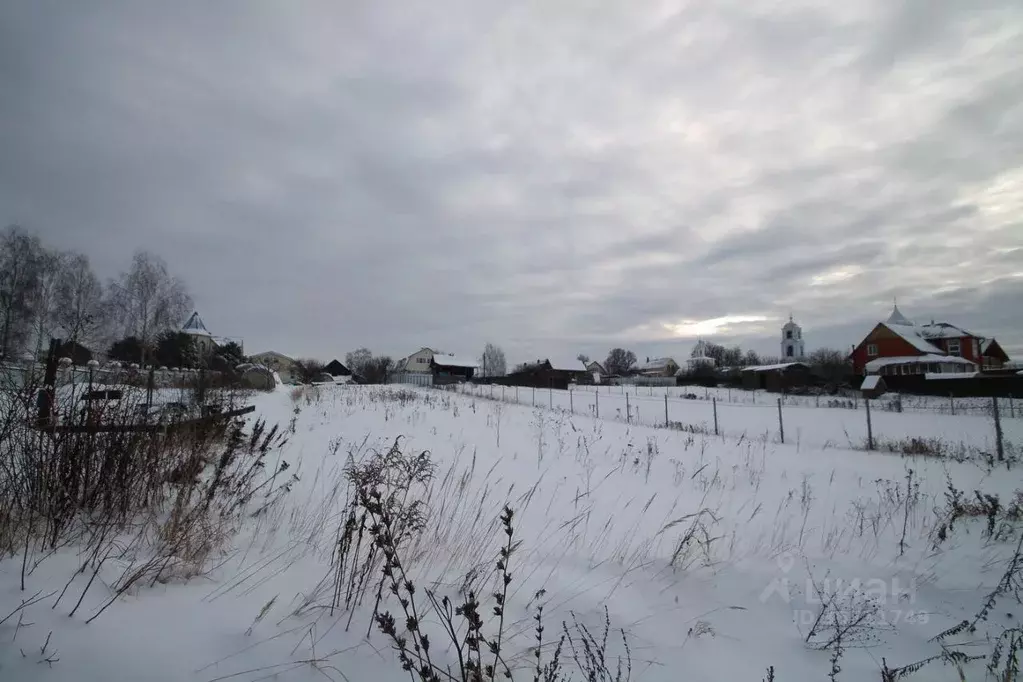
<point>872,350</point>
<point>954,347</point>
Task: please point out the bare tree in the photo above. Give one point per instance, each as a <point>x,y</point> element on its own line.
<point>148,299</point>
<point>583,358</point>
<point>358,360</point>
<point>79,309</point>
<point>21,258</point>
<point>44,295</point>
<point>308,369</point>
<point>830,364</point>
<point>493,362</point>
<point>619,361</point>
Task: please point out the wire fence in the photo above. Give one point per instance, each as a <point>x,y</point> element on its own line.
<point>1009,407</point>
<point>775,418</point>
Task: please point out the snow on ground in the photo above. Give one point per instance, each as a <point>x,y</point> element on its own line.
<point>699,546</point>
<point>755,415</point>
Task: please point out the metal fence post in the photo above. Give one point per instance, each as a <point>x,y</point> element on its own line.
<point>534,396</point>
<point>998,430</point>
<point>1012,408</point>
<point>781,423</point>
<point>715,416</point>
<point>666,422</point>
<point>571,402</point>
<point>597,404</point>
<point>952,403</point>
<point>870,427</point>
<point>628,410</point>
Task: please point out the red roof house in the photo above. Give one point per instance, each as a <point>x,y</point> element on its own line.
<point>898,346</point>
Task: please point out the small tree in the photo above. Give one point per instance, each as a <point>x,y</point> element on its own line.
<point>829,364</point>
<point>231,353</point>
<point>127,350</point>
<point>583,358</point>
<point>619,361</point>
<point>492,362</point>
<point>357,360</point>
<point>307,369</point>
<point>175,349</point>
<point>375,371</point>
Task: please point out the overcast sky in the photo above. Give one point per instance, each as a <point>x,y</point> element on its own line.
<point>554,176</point>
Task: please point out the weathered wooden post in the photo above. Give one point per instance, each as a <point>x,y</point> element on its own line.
<point>870,427</point>
<point>781,423</point>
<point>998,430</point>
<point>628,410</point>
<point>597,404</point>
<point>715,416</point>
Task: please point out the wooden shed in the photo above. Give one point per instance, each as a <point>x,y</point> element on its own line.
<point>776,378</point>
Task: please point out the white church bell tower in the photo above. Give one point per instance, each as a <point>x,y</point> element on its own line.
<point>792,342</point>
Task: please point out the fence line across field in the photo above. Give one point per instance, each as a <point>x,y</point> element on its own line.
<point>782,422</point>
<point>893,402</point>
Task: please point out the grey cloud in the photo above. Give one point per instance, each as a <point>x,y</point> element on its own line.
<point>330,176</point>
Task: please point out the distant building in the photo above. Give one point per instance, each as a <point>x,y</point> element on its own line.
<point>792,345</point>
<point>417,363</point>
<point>597,371</point>
<point>897,346</point>
<point>336,368</point>
<point>776,378</point>
<point>658,367</point>
<point>450,369</point>
<point>205,342</point>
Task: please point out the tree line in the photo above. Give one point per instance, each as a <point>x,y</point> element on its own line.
<point>135,317</point>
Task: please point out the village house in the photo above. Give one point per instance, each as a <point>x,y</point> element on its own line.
<point>658,367</point>
<point>336,368</point>
<point>897,346</point>
<point>451,369</point>
<point>597,371</point>
<point>417,363</point>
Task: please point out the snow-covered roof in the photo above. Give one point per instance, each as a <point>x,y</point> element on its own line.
<point>453,361</point>
<point>911,335</point>
<point>771,368</point>
<point>655,364</point>
<point>194,325</point>
<point>877,364</point>
<point>272,353</point>
<point>870,382</point>
<point>942,330</point>
<point>954,375</point>
<point>898,318</point>
<point>567,364</point>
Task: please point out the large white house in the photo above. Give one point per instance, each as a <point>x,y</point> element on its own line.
<point>417,363</point>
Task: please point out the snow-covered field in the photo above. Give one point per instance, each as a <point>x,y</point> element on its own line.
<point>755,415</point>
<point>704,549</point>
